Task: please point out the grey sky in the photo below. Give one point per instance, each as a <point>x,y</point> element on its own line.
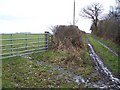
<point>37,16</point>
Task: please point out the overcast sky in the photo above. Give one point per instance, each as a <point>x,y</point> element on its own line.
<point>37,16</point>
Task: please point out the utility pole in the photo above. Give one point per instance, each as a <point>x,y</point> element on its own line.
<point>74,14</point>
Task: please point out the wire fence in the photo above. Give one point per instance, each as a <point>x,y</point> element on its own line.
<point>24,44</point>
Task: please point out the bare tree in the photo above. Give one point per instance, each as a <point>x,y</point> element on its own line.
<point>92,12</point>
<point>109,25</point>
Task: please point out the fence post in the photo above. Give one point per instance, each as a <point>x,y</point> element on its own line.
<point>38,41</point>
<point>46,40</point>
<point>11,43</point>
<point>51,40</point>
<point>26,39</point>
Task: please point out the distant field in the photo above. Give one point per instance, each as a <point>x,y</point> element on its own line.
<point>21,42</point>
<point>23,38</point>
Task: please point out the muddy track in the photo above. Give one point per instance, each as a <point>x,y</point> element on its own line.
<point>110,81</point>
<point>104,79</point>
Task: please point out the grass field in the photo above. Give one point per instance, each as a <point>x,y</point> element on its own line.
<point>27,73</point>
<point>22,42</point>
<point>109,59</point>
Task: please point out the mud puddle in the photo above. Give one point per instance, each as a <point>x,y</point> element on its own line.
<point>68,75</point>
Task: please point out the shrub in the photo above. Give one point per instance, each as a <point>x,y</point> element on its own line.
<point>67,38</point>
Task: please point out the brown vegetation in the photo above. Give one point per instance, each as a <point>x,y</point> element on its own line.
<point>67,38</point>
<point>108,27</point>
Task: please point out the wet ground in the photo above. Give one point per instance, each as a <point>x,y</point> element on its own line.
<point>108,80</point>
<point>101,77</point>
<point>69,75</point>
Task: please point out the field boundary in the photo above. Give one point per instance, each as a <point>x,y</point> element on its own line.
<point>24,45</point>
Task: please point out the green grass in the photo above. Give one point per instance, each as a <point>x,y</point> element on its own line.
<point>81,65</point>
<point>110,60</point>
<point>20,72</point>
<point>0,82</point>
<point>31,38</point>
<point>38,38</point>
<point>109,43</point>
<point>25,73</point>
